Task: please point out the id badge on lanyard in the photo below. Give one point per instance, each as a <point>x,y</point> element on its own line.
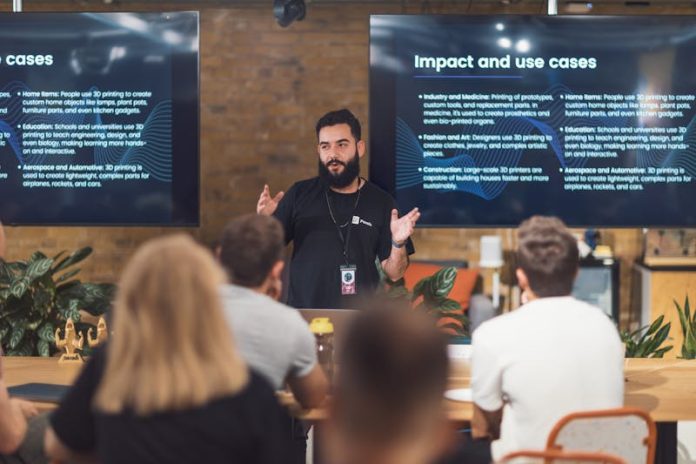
<point>348,276</point>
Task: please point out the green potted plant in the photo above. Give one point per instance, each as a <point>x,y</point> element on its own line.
<point>430,294</point>
<point>646,342</point>
<point>688,327</point>
<point>41,294</point>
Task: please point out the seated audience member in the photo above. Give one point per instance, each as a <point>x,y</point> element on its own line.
<point>170,386</point>
<point>552,356</point>
<point>272,337</point>
<point>388,406</point>
<point>14,414</point>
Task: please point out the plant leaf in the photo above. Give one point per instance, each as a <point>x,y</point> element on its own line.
<point>17,335</point>
<point>19,287</point>
<point>682,318</point>
<point>660,353</point>
<point>68,275</point>
<point>447,305</point>
<point>37,255</point>
<point>420,287</point>
<point>38,268</point>
<point>655,325</point>
<point>645,345</point>
<point>453,329</point>
<point>74,258</point>
<point>443,321</point>
<point>5,274</point>
<point>71,311</point>
<point>662,334</point>
<point>67,286</point>
<point>43,299</point>
<point>46,332</point>
<point>42,347</point>
<point>443,281</point>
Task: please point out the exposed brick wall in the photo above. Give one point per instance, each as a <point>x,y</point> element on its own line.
<point>262,89</point>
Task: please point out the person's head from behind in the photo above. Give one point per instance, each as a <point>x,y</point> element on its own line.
<point>547,257</point>
<point>251,251</point>
<point>393,375</point>
<point>171,347</point>
<point>340,147</point>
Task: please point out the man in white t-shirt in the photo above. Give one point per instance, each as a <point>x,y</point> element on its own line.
<point>552,356</point>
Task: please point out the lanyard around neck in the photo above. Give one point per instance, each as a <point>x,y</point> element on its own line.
<point>348,223</point>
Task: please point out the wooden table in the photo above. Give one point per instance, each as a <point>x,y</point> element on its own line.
<point>666,388</point>
<point>19,370</point>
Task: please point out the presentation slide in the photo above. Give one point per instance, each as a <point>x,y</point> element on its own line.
<point>487,120</point>
<point>99,118</point>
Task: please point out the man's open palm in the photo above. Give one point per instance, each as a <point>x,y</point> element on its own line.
<point>402,227</point>
<point>268,204</point>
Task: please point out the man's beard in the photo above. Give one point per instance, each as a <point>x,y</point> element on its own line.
<point>350,172</point>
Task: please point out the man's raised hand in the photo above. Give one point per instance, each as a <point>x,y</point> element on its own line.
<point>267,204</point>
<point>402,227</point>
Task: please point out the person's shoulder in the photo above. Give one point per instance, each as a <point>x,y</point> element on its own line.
<point>570,304</point>
<point>375,189</point>
<point>594,313</point>
<point>237,299</point>
<point>289,317</point>
<point>303,188</point>
<point>305,185</point>
<point>378,196</point>
<point>504,326</point>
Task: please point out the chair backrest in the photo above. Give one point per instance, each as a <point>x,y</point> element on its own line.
<point>626,432</point>
<point>565,457</point>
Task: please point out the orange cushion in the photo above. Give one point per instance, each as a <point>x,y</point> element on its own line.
<point>463,284</point>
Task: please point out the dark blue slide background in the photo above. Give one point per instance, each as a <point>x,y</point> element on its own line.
<point>635,55</point>
<point>106,52</point>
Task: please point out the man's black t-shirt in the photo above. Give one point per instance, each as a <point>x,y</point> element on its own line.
<point>315,275</point>
<point>248,427</point>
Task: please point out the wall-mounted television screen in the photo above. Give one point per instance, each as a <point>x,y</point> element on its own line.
<point>99,118</point>
<point>487,120</point>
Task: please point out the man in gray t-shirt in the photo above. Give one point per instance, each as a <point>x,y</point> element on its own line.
<point>272,337</point>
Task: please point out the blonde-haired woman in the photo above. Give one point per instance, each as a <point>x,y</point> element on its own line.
<point>170,387</point>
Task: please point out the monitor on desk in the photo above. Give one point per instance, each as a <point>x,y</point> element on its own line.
<point>597,283</point>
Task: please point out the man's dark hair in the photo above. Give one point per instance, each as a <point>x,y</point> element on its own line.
<point>342,116</point>
<point>394,366</point>
<point>250,245</point>
<point>548,255</point>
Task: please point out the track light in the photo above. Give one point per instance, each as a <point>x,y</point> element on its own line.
<point>287,11</point>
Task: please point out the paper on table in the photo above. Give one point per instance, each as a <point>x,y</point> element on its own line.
<point>459,394</point>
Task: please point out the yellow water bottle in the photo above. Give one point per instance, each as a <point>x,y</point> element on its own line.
<point>323,330</point>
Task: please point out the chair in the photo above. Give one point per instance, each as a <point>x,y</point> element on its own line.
<point>626,432</point>
<point>552,456</point>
